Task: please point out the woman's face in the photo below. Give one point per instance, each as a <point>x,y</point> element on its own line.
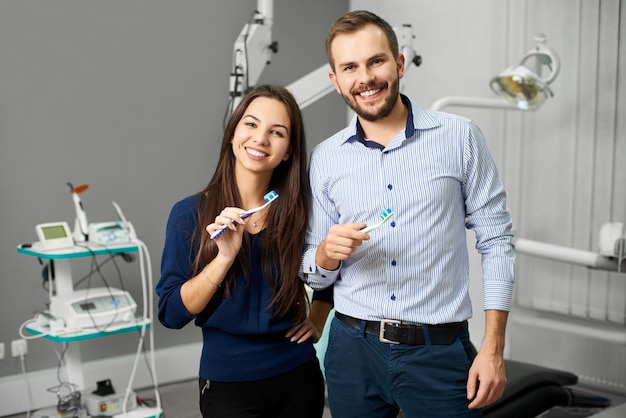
<point>261,140</point>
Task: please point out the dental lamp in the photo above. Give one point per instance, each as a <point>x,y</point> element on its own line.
<point>519,87</point>
<point>523,88</point>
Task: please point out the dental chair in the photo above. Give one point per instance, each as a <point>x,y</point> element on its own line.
<point>532,390</point>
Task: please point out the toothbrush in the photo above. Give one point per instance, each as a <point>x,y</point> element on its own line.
<point>269,198</point>
<point>385,215</point>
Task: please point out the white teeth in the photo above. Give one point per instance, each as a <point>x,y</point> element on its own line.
<point>369,93</point>
<point>256,153</point>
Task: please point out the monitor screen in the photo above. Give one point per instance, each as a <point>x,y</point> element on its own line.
<point>54,232</point>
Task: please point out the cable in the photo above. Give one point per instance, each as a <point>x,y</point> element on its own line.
<point>26,336</point>
<point>27,382</point>
<point>56,327</point>
<point>61,361</point>
<point>70,402</point>
<point>144,264</point>
<point>86,276</point>
<point>95,267</point>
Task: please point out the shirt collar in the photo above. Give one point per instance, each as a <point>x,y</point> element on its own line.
<point>418,118</point>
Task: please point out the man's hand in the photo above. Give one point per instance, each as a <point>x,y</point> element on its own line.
<point>487,376</point>
<point>339,244</point>
<point>486,380</point>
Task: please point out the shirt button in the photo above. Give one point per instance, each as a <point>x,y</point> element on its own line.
<point>393,297</point>
<point>393,262</point>
<point>389,186</point>
<point>393,224</point>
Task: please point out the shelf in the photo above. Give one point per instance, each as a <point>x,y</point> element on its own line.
<point>142,412</point>
<point>87,334</point>
<point>87,250</point>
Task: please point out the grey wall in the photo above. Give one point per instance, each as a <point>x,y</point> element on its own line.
<point>127,97</point>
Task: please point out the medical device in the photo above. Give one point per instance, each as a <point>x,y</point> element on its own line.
<point>54,236</point>
<point>129,227</point>
<point>81,224</point>
<point>92,308</point>
<point>104,233</point>
<point>108,233</point>
<point>254,47</point>
<point>612,242</point>
<point>112,232</point>
<point>108,405</point>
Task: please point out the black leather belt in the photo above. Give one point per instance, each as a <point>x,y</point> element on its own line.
<point>394,332</point>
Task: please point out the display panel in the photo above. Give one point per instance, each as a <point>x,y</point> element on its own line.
<point>54,235</point>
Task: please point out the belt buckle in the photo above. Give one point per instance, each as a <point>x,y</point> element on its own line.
<point>381,332</point>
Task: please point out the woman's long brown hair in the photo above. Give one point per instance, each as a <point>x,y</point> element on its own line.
<point>287,216</point>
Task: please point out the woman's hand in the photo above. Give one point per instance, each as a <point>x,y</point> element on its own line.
<point>313,326</point>
<point>229,243</point>
<point>303,331</point>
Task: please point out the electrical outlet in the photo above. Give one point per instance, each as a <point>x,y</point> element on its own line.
<point>1,351</point>
<point>19,348</point>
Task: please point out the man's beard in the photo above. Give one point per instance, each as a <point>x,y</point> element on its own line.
<point>388,104</point>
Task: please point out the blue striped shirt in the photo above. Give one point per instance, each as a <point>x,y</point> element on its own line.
<point>439,179</point>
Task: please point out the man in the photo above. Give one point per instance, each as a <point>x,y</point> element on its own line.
<point>399,340</point>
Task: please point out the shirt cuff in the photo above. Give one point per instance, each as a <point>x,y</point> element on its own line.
<point>498,295</point>
<point>315,276</point>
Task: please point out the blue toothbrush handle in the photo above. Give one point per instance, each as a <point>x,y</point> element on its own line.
<point>223,228</point>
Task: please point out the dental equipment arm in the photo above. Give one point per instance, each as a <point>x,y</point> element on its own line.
<point>253,51</point>
<point>567,255</point>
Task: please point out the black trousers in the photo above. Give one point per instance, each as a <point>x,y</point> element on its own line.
<point>297,393</point>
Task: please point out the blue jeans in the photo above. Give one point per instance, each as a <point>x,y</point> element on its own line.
<point>367,378</point>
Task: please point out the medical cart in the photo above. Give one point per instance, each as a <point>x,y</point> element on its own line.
<point>64,286</point>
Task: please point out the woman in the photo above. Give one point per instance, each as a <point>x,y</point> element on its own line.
<point>242,288</point>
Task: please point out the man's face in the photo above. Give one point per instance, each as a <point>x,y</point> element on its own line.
<point>366,74</point>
